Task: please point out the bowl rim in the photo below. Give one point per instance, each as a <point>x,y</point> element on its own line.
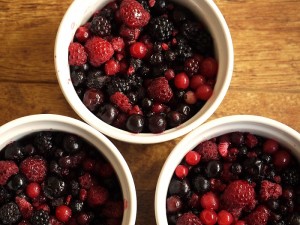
<point>259,125</point>
<point>17,128</point>
<point>142,138</point>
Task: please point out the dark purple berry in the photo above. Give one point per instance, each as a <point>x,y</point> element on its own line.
<point>200,184</point>
<point>174,204</point>
<point>100,26</point>
<point>54,187</point>
<point>40,217</point>
<point>179,187</point>
<point>236,168</point>
<point>160,28</point>
<point>13,152</point>
<point>108,113</point>
<point>135,123</point>
<point>16,182</point>
<point>157,123</point>
<point>77,78</point>
<point>77,206</point>
<point>237,138</point>
<point>10,213</point>
<point>174,118</point>
<point>147,103</point>
<point>213,169</point>
<point>72,143</point>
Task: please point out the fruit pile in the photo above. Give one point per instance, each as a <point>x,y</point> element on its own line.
<point>55,178</point>
<point>143,66</point>
<point>235,179</point>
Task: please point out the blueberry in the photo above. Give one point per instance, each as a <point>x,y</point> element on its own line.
<point>157,123</point>
<point>72,143</point>
<point>200,184</point>
<point>108,113</point>
<point>179,187</point>
<point>54,187</point>
<point>147,103</point>
<point>236,168</point>
<point>13,152</point>
<point>213,169</point>
<point>135,123</point>
<point>174,118</point>
<point>16,182</point>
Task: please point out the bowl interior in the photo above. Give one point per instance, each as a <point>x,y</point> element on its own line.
<point>261,126</point>
<point>80,11</point>
<point>19,128</point>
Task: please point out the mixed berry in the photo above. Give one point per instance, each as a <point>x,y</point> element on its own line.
<point>235,179</point>
<point>56,178</point>
<point>143,66</point>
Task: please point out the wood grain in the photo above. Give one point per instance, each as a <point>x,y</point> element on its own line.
<point>266,78</point>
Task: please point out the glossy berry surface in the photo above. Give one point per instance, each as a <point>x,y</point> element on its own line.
<point>236,178</point>
<point>142,49</point>
<point>66,179</point>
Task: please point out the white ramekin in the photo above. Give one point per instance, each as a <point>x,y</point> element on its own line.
<point>21,127</point>
<point>258,125</point>
<point>80,11</point>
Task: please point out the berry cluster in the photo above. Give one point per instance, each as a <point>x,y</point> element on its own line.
<point>143,66</point>
<point>57,178</point>
<point>235,179</point>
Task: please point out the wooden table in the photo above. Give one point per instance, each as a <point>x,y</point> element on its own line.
<point>266,79</point>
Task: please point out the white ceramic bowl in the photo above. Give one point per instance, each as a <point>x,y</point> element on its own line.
<point>21,127</point>
<point>261,126</point>
<point>80,11</point>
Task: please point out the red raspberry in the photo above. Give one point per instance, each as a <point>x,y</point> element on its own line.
<point>133,14</point>
<point>113,209</point>
<point>223,148</point>
<point>99,50</point>
<point>136,110</point>
<point>25,207</point>
<point>239,194</point>
<point>7,169</point>
<point>85,181</point>
<point>251,141</point>
<point>208,151</point>
<point>34,168</point>
<point>77,54</point>
<point>130,34</point>
<point>118,44</point>
<point>82,33</point>
<point>188,219</point>
<point>97,196</point>
<point>160,90</point>
<point>269,190</point>
<point>258,217</point>
<point>121,101</point>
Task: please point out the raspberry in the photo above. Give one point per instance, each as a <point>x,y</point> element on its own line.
<point>99,50</point>
<point>7,169</point>
<point>223,148</point>
<point>85,181</point>
<point>121,101</point>
<point>113,209</point>
<point>34,168</point>
<point>208,151</point>
<point>97,196</point>
<point>188,219</point>
<point>133,14</point>
<point>77,54</point>
<point>269,190</point>
<point>9,213</point>
<point>251,141</point>
<point>118,44</point>
<point>160,90</point>
<point>258,217</point>
<point>25,207</point>
<point>239,194</point>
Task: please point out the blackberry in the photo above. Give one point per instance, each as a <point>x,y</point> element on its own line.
<point>136,63</point>
<point>4,195</point>
<point>159,7</point>
<point>76,206</point>
<point>143,71</point>
<point>10,213</point>
<point>161,28</point>
<point>191,66</point>
<point>156,59</point>
<point>290,177</point>
<point>75,187</point>
<point>77,77</point>
<point>183,50</point>
<point>159,70</point>
<point>170,55</point>
<point>118,84</point>
<point>100,26</point>
<point>43,141</point>
<point>97,79</point>
<point>54,187</point>
<point>135,81</point>
<point>145,5</point>
<point>39,217</point>
<point>107,13</point>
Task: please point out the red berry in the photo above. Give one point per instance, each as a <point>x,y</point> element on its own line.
<point>181,81</point>
<point>224,218</point>
<point>34,168</point>
<point>208,151</point>
<point>251,140</point>
<point>169,74</point>
<point>82,34</point>
<point>181,171</point>
<point>63,213</point>
<point>209,201</point>
<point>82,194</point>
<point>158,108</point>
<point>209,67</point>
<point>223,148</point>
<point>240,222</point>
<point>33,190</point>
<point>208,217</point>
<point>190,97</point>
<point>88,164</point>
<point>133,14</point>
<point>93,98</point>
<point>99,50</point>
<point>112,67</point>
<point>129,34</point>
<point>204,92</point>
<point>138,50</point>
<point>77,54</point>
<point>259,216</point>
<point>188,218</point>
<point>270,146</point>
<point>174,204</point>
<point>192,158</point>
<point>160,90</point>
<point>282,158</point>
<point>196,81</point>
<point>118,44</point>
<point>25,207</point>
<point>121,101</point>
<point>7,169</point>
<point>97,196</point>
<point>269,190</point>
